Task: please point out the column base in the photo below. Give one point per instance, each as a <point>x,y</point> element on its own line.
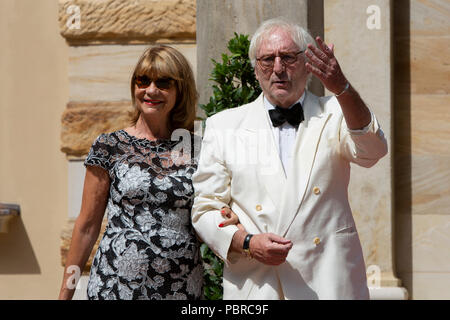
<point>388,293</point>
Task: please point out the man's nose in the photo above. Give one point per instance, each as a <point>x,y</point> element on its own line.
<point>278,66</point>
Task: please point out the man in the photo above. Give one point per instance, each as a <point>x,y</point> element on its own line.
<point>282,164</point>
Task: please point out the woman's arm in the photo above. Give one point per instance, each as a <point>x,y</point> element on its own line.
<point>87,226</point>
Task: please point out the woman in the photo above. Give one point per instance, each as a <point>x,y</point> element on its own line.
<point>149,249</point>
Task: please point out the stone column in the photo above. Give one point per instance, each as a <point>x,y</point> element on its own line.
<point>105,39</point>
<point>218,20</point>
<point>362,34</point>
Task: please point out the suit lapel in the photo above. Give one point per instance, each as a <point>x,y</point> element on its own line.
<point>258,133</point>
<point>305,150</point>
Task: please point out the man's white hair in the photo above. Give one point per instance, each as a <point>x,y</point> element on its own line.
<point>299,35</point>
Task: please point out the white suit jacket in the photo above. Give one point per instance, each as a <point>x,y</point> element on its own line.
<point>239,167</point>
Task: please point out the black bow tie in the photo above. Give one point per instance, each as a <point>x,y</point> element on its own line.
<point>292,115</point>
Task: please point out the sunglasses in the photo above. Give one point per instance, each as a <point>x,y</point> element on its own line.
<point>267,62</point>
<point>161,83</point>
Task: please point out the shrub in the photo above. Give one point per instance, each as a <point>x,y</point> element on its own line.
<point>235,82</point>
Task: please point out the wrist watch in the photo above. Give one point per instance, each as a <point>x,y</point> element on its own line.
<point>246,245</point>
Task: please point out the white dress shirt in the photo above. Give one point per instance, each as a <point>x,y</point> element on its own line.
<point>284,136</point>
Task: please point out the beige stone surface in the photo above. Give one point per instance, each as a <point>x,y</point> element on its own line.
<point>76,171</point>
<point>429,118</point>
<point>33,94</point>
<point>424,63</point>
<point>103,72</point>
<point>364,55</point>
<point>430,185</point>
<point>117,21</point>
<point>423,154</point>
<point>427,285</point>
<point>425,244</point>
<point>422,18</point>
<point>422,144</point>
<point>83,122</point>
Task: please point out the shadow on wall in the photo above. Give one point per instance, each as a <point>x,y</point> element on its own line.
<point>402,141</point>
<point>315,27</point>
<point>16,253</point>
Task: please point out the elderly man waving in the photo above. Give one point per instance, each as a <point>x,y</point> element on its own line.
<point>282,164</point>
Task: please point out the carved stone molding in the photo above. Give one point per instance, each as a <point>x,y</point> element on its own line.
<point>82,122</point>
<point>118,21</point>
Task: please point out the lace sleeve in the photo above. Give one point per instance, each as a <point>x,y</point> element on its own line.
<point>100,154</point>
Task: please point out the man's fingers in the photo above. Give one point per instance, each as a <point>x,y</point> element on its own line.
<point>280,249</point>
<point>315,71</point>
<point>319,53</point>
<point>270,248</point>
<point>316,61</point>
<point>277,239</point>
<point>279,245</point>
<point>331,46</point>
<point>325,48</point>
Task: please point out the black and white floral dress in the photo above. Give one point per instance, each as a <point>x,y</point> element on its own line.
<point>149,249</point>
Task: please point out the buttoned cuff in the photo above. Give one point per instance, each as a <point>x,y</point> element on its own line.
<point>224,252</point>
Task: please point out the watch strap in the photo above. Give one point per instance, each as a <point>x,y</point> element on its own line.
<point>246,245</point>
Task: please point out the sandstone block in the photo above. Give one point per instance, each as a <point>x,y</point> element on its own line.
<point>82,122</point>
<point>126,21</point>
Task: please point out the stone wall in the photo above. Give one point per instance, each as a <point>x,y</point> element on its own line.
<point>138,21</point>
<point>422,146</point>
<point>33,93</point>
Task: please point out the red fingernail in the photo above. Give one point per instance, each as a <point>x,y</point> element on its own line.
<point>221,225</point>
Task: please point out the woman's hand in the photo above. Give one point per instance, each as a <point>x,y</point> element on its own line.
<point>231,218</point>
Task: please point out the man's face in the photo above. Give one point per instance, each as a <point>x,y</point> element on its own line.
<point>283,84</point>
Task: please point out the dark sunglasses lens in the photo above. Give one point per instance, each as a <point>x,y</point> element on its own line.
<point>142,81</point>
<point>163,83</point>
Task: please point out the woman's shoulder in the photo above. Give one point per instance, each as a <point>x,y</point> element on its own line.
<point>110,142</point>
<point>105,149</point>
<point>114,137</point>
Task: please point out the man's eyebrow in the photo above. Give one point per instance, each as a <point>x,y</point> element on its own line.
<point>281,52</point>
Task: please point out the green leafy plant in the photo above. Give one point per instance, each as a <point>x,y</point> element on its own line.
<point>213,273</point>
<point>235,85</point>
<point>235,82</point>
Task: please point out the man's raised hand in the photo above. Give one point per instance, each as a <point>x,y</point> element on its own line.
<point>324,65</point>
